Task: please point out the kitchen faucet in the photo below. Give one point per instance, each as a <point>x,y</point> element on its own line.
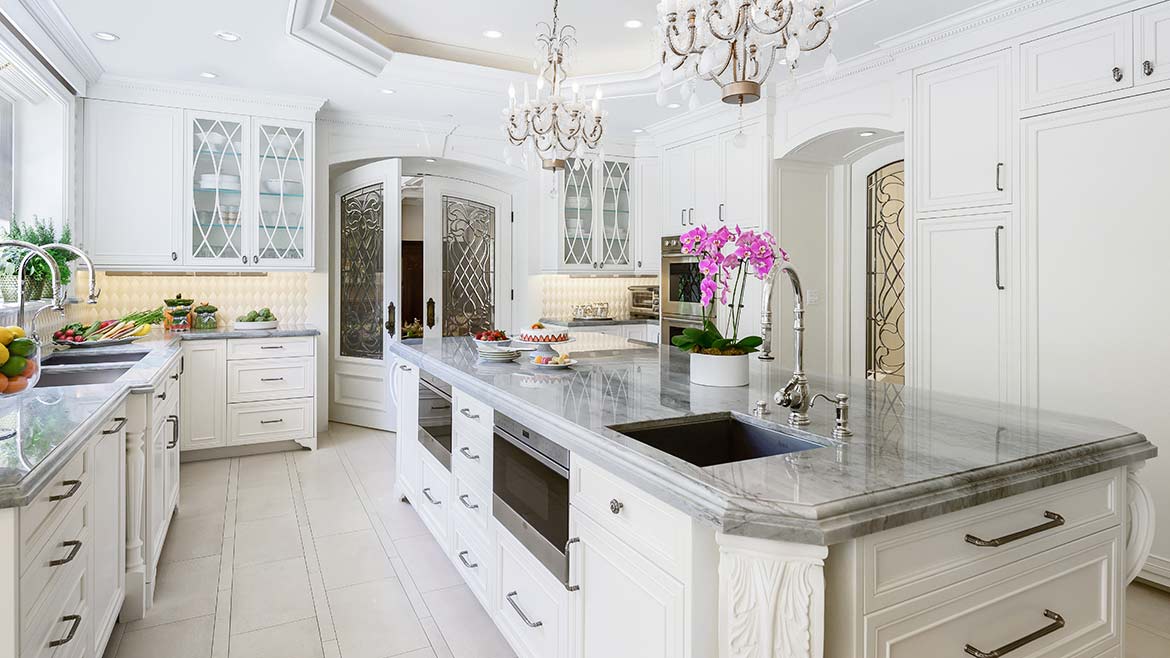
<point>58,292</point>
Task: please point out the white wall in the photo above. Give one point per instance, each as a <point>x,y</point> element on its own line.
<point>412,220</point>
<point>805,205</point>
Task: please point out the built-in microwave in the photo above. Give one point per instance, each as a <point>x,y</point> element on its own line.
<point>680,281</point>
<point>673,326</point>
<point>434,417</point>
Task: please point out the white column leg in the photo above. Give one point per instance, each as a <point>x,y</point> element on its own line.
<point>1140,533</point>
<point>135,604</point>
<point>771,598</point>
<point>9,582</point>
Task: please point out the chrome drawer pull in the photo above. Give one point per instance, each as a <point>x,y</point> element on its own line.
<point>463,559</point>
<point>272,379</point>
<point>569,565</point>
<point>74,546</point>
<point>73,485</point>
<point>616,506</point>
<point>467,453</point>
<point>1055,521</point>
<point>270,422</point>
<point>118,428</point>
<point>76,619</point>
<point>523,617</point>
<point>1057,624</point>
<point>427,493</point>
<point>463,499</point>
<point>467,414</point>
<point>272,347</point>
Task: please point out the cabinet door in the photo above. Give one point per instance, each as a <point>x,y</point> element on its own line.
<point>707,181</point>
<point>109,526</point>
<point>204,398</point>
<point>745,177</point>
<point>283,204</point>
<point>133,187</point>
<point>577,230</point>
<point>171,475</point>
<point>1152,44</point>
<point>1091,59</point>
<point>963,266</point>
<point>615,243</point>
<point>680,191</point>
<point>219,179</point>
<point>156,494</point>
<point>626,606</point>
<point>648,216</point>
<point>962,134</point>
<point>407,462</point>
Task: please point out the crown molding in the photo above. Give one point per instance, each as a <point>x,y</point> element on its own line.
<point>314,23</point>
<point>200,96</point>
<point>52,20</point>
<point>965,21</point>
<point>15,84</point>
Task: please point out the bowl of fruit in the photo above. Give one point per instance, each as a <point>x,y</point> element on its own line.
<point>20,362</point>
<point>492,338</point>
<point>258,319</point>
<point>552,362</point>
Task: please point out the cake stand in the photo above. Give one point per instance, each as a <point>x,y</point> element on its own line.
<point>544,348</point>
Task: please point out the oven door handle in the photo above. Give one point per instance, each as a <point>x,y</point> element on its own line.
<point>533,453</point>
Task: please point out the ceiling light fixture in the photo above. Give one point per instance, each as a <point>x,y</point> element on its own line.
<point>866,133</point>
<point>209,75</point>
<point>735,44</point>
<point>554,125</point>
<point>230,37</point>
<point>633,24</point>
<point>673,106</point>
<point>431,160</point>
<point>638,131</point>
<point>388,91</point>
<point>105,36</point>
<point>493,34</point>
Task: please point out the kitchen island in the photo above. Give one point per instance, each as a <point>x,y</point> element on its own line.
<point>942,524</point>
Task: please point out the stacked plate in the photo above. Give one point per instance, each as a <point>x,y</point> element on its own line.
<point>497,354</point>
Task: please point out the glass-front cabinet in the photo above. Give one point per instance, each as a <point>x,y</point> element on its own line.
<point>281,211</point>
<point>218,200</point>
<point>595,220</point>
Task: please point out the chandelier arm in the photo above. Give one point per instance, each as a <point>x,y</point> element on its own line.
<point>812,26</point>
<point>673,31</point>
<point>780,25</point>
<point>787,11</point>
<point>714,13</point>
<point>771,63</point>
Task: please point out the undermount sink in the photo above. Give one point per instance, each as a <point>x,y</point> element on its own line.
<point>50,379</point>
<point>712,439</point>
<point>71,357</point>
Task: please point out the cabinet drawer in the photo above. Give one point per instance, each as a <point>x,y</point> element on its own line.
<point>40,517</point>
<point>1070,591</point>
<point>471,500</point>
<point>470,411</point>
<point>270,379</point>
<point>61,627</point>
<point>472,560</point>
<point>655,529</point>
<point>260,422</point>
<point>268,348</point>
<point>1078,63</point>
<point>922,557</point>
<point>530,606</point>
<point>65,549</point>
<point>471,454</point>
<point>434,493</point>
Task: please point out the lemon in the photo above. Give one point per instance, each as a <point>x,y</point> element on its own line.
<point>16,330</point>
<point>3,355</point>
<point>6,335</point>
<point>143,330</point>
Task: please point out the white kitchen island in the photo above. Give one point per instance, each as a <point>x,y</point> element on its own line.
<point>944,527</point>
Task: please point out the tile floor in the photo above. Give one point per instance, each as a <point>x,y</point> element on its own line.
<point>307,555</point>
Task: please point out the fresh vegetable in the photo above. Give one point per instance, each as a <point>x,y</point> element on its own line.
<point>13,366</point>
<point>262,315</point>
<point>133,324</point>
<point>17,360</point>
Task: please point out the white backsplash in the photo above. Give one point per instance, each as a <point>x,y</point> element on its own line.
<point>561,293</point>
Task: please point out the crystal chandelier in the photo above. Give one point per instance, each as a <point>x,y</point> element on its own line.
<point>735,42</point>
<point>553,124</point>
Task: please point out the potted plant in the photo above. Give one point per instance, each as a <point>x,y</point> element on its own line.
<point>8,281</point>
<point>727,257</point>
<point>36,272</point>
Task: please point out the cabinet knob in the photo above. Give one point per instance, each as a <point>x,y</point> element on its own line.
<point>244,259</point>
<point>616,506</point>
<point>255,259</point>
<point>1148,67</point>
<point>174,256</point>
<point>1117,74</point>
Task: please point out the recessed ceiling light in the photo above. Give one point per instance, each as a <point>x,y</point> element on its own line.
<point>493,34</point>
<point>638,131</point>
<point>866,133</point>
<point>106,36</point>
<point>227,36</point>
<point>633,24</point>
<point>673,106</point>
<point>431,160</point>
<point>209,75</point>
<point>388,91</point>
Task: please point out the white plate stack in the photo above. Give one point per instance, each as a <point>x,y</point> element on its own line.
<point>493,354</point>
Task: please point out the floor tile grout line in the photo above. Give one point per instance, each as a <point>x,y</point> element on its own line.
<point>309,544</point>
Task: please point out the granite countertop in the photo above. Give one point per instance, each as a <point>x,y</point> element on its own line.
<point>574,323</point>
<point>914,454</point>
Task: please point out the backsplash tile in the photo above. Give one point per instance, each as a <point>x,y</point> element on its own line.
<point>561,293</point>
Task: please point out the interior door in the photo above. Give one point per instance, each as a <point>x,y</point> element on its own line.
<point>467,272</point>
<point>367,245</point>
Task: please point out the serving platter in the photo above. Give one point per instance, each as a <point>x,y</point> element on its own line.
<point>251,326</point>
<point>98,343</point>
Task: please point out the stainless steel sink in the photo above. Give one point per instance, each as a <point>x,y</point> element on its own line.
<point>73,357</point>
<point>719,438</point>
<point>50,378</point>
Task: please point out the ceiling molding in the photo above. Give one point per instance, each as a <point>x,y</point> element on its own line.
<point>314,23</point>
<point>53,21</point>
<point>187,94</point>
<point>949,26</point>
<point>14,84</point>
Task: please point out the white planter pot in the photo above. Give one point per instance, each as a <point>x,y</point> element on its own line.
<point>711,370</point>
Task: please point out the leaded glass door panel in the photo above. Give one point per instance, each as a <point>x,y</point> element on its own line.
<point>283,199</point>
<point>219,179</point>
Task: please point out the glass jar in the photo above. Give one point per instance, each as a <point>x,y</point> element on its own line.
<point>180,317</point>
<point>205,320</point>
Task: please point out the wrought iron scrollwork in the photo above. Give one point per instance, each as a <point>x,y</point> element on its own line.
<point>886,305</point>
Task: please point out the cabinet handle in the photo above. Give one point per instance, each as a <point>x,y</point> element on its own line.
<point>467,453</point>
<point>720,213</point>
<point>1117,74</point>
<point>403,367</point>
<point>1057,624</point>
<point>427,493</point>
<point>73,485</point>
<point>1055,521</point>
<point>175,376</point>
<point>467,414</point>
<point>464,499</point>
<point>523,617</point>
<point>998,280</point>
<point>463,559</point>
<point>76,620</point>
<point>174,421</point>
<point>1148,67</point>
<point>616,506</point>
<point>255,258</point>
<point>390,322</point>
<point>174,256</point>
<point>272,379</point>
<point>999,177</point>
<point>162,396</point>
<point>244,259</point>
<point>272,421</point>
<point>272,347</point>
<point>691,217</point>
<point>639,263</point>
<point>74,546</point>
<point>117,428</point>
<point>568,544</point>
<point>683,217</point>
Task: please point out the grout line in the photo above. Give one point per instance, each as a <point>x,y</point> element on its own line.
<point>435,636</point>
<point>321,603</point>
<point>233,478</point>
<point>221,637</point>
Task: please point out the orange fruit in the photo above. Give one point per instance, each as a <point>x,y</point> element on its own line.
<point>30,369</point>
<point>16,384</point>
<point>3,384</point>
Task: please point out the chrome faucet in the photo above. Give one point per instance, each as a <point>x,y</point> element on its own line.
<point>55,274</point>
<point>795,394</point>
<point>94,293</point>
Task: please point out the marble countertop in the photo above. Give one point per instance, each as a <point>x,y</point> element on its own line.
<point>282,331</point>
<point>574,324</point>
<point>914,454</point>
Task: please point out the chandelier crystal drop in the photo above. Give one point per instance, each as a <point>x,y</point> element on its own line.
<point>554,122</point>
<point>735,42</point>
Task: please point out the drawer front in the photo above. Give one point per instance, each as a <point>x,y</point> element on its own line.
<point>434,503</point>
<point>474,413</point>
<point>39,518</point>
<point>472,560</point>
<point>915,559</point>
<point>530,606</point>
<point>472,501</point>
<point>270,379</point>
<point>1078,63</point>
<point>471,454</point>
<point>269,348</point>
<point>655,529</point>
<point>260,422</point>
<point>65,614</point>
<point>1070,591</point>
<point>65,549</point>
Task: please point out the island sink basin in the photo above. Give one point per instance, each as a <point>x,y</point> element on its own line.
<point>51,379</point>
<point>72,357</point>
<point>712,439</point>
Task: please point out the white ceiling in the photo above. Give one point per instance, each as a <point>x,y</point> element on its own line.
<point>161,42</point>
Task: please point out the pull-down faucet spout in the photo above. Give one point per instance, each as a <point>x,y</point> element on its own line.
<point>795,394</point>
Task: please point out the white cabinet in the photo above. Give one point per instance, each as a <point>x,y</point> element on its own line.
<point>692,185</point>
<point>282,234</point>
<point>204,399</point>
<point>744,158</point>
<point>680,190</point>
<point>529,605</point>
<point>964,305</point>
<point>407,465</point>
<point>1151,33</point>
<point>648,212</point>
<point>962,134</point>
<point>133,184</point>
<point>109,527</point>
<point>721,179</point>
<point>597,225</point>
<point>1081,62</point>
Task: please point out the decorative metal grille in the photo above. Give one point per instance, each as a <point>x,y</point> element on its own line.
<point>282,198</point>
<point>361,273</point>
<point>615,213</point>
<point>218,160</point>
<point>578,212</point>
<point>469,266</point>
<point>885,336</point>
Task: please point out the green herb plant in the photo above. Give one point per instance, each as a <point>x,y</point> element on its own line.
<point>39,232</point>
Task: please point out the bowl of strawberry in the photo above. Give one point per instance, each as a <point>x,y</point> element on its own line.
<point>491,338</point>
